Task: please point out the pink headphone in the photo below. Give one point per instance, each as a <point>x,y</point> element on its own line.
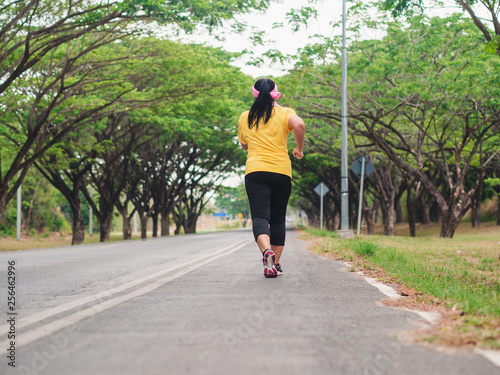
<point>275,94</point>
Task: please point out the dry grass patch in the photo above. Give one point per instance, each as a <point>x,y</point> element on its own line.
<point>53,240</point>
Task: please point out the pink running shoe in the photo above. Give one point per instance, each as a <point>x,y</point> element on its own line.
<point>268,260</point>
<point>279,270</point>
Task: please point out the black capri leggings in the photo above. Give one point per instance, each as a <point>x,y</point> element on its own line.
<point>268,195</point>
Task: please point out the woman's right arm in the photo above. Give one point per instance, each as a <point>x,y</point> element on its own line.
<point>299,130</point>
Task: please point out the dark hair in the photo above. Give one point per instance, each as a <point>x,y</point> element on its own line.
<point>262,107</point>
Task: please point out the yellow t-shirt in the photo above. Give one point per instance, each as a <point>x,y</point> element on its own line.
<point>267,149</point>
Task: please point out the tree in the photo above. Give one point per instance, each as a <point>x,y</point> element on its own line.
<point>128,144</point>
<point>453,121</point>
<point>419,99</point>
<point>67,163</point>
<point>234,201</point>
<point>492,8</point>
<point>42,45</point>
<point>494,182</point>
<point>387,181</point>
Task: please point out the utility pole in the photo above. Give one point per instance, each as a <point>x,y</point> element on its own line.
<point>18,231</point>
<point>344,231</point>
<point>91,214</point>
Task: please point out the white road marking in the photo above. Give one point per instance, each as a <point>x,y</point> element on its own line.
<point>430,317</point>
<point>47,329</point>
<point>492,355</point>
<point>386,289</point>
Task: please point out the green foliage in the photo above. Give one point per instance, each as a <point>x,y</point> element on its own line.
<point>41,206</point>
<point>234,201</point>
<point>301,17</point>
<point>492,181</point>
<point>364,248</point>
<point>399,7</point>
<point>493,45</point>
<point>425,95</point>
<point>410,8</point>
<point>42,209</point>
<point>8,225</point>
<point>84,61</point>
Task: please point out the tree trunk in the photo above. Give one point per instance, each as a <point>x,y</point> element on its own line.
<point>368,214</point>
<point>78,226</point>
<point>410,207</point>
<point>498,211</point>
<point>450,219</point>
<point>399,211</point>
<point>177,229</point>
<point>179,219</point>
<point>389,214</point>
<point>476,207</point>
<point>144,226</point>
<point>353,215</point>
<point>190,229</point>
<point>426,213</point>
<point>154,217</point>
<point>165,224</point>
<point>190,224</point>
<point>475,213</point>
<point>496,188</point>
<point>336,220</point>
<point>105,226</point>
<point>3,203</point>
<point>127,227</point>
<point>448,225</point>
<point>389,220</point>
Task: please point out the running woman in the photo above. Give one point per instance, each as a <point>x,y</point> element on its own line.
<point>263,131</point>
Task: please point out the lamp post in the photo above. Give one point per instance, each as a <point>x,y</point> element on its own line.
<point>344,231</point>
<point>19,212</point>
<point>91,214</point>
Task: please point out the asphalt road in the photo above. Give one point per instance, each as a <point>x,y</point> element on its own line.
<point>199,304</point>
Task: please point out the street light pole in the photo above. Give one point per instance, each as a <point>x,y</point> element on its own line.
<point>344,231</point>
<point>19,212</point>
<point>91,215</point>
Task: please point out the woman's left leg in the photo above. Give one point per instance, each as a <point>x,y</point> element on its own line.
<point>280,193</point>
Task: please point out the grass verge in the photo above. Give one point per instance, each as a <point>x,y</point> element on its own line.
<point>459,276</point>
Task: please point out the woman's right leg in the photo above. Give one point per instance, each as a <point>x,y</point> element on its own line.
<point>259,198</point>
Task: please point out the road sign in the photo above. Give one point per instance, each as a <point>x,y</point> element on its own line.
<point>221,214</point>
<point>321,189</point>
<point>362,167</point>
<point>357,166</point>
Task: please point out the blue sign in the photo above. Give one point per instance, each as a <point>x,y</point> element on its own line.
<point>220,214</point>
<point>357,166</point>
<point>321,189</point>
